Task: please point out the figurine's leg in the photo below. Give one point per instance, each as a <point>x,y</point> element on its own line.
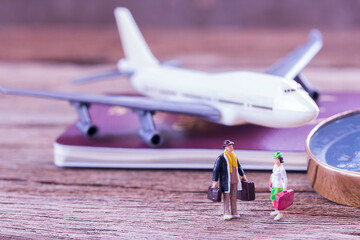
<point>233,190</point>
<point>279,216</point>
<point>272,198</point>
<point>226,204</point>
<point>278,213</point>
<point>227,215</point>
<point>274,212</point>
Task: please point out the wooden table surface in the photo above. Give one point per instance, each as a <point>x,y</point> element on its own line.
<point>41,201</point>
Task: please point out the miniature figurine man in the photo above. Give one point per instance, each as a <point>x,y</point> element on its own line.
<point>278,182</point>
<point>228,168</point>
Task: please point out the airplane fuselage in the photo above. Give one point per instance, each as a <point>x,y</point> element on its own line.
<point>273,99</point>
<point>240,96</point>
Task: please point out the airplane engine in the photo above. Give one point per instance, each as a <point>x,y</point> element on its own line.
<point>85,125</point>
<point>148,131</point>
<point>151,137</point>
<point>87,128</point>
<point>313,92</point>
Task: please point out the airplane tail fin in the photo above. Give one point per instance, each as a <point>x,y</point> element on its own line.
<point>136,50</point>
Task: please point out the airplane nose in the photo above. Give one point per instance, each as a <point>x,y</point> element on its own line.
<point>298,109</point>
<point>310,110</point>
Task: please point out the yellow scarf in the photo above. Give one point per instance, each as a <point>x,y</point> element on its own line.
<point>232,159</point>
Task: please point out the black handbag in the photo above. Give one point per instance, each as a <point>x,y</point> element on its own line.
<point>248,191</point>
<point>214,194</point>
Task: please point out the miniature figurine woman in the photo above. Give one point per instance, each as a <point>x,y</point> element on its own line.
<point>227,168</point>
<point>278,181</point>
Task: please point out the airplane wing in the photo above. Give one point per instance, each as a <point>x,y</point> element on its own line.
<point>291,65</point>
<point>133,102</point>
<point>101,76</point>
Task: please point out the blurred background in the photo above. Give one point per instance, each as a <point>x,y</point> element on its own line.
<point>236,33</point>
<point>185,13</point>
<point>84,31</point>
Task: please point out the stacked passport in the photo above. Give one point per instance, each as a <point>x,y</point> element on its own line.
<point>189,142</point>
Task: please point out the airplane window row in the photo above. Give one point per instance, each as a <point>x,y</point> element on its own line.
<point>242,104</point>
<point>231,102</point>
<point>262,107</point>
<point>167,92</point>
<point>289,90</point>
<point>195,96</point>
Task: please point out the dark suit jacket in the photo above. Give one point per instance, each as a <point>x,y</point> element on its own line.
<point>221,171</point>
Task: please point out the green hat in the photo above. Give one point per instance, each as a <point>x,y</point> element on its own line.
<point>278,154</point>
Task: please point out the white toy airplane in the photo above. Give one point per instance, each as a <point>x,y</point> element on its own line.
<point>271,99</point>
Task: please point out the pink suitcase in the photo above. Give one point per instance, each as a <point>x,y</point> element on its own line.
<point>284,199</point>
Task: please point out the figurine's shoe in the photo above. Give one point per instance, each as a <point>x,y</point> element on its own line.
<point>228,217</point>
<point>278,217</point>
<point>236,216</point>
<point>274,213</point>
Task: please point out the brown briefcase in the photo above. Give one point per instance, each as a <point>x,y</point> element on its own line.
<point>248,191</point>
<point>214,194</point>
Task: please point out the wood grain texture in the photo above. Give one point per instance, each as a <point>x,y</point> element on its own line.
<point>41,201</point>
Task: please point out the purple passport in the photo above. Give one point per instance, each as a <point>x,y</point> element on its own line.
<point>188,137</point>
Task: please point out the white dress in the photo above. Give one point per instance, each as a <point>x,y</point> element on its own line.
<point>278,177</point>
